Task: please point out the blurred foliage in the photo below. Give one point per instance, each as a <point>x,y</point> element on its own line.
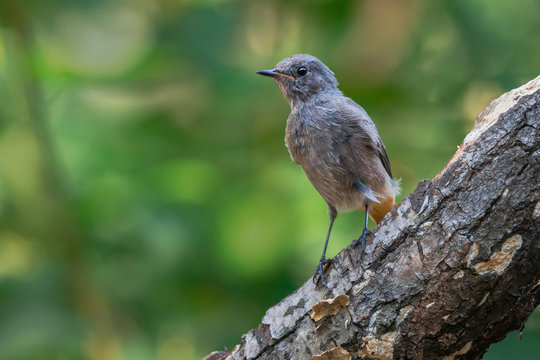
<point>148,207</point>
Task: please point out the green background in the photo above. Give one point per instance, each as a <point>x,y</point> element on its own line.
<point>148,206</point>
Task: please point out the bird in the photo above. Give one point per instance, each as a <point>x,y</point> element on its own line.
<point>336,143</point>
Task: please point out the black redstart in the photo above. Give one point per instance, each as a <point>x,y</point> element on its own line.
<point>336,142</point>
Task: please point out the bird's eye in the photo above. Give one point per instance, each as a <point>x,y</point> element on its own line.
<point>301,71</point>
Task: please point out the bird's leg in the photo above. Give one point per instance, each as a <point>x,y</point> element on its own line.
<point>365,232</point>
<point>324,260</point>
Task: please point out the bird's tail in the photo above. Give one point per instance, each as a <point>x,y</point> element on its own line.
<point>377,210</point>
<point>396,186</point>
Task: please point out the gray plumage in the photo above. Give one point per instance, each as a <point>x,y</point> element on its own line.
<point>334,140</point>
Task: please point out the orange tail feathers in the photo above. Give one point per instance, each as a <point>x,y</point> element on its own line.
<point>378,210</point>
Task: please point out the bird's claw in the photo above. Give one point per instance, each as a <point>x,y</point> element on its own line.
<point>320,268</point>
<point>362,239</point>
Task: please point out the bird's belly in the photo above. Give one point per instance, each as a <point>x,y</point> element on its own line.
<point>349,200</point>
<point>349,204</point>
<point>345,197</point>
<point>336,189</point>
<point>326,173</point>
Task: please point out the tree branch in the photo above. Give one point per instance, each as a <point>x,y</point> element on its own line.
<point>451,270</point>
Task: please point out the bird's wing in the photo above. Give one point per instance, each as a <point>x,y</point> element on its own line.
<point>357,137</point>
<point>384,157</point>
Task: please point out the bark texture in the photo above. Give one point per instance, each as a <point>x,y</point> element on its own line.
<point>451,270</point>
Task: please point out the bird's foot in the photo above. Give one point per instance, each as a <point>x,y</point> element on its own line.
<point>362,239</point>
<point>320,269</point>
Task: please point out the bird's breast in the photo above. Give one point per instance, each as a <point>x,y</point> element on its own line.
<point>307,133</point>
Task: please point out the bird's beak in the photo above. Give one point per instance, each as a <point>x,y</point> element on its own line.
<point>274,74</point>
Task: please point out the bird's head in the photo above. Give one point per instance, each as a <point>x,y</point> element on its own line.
<point>302,76</point>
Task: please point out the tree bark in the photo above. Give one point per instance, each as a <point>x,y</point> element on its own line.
<point>451,270</point>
